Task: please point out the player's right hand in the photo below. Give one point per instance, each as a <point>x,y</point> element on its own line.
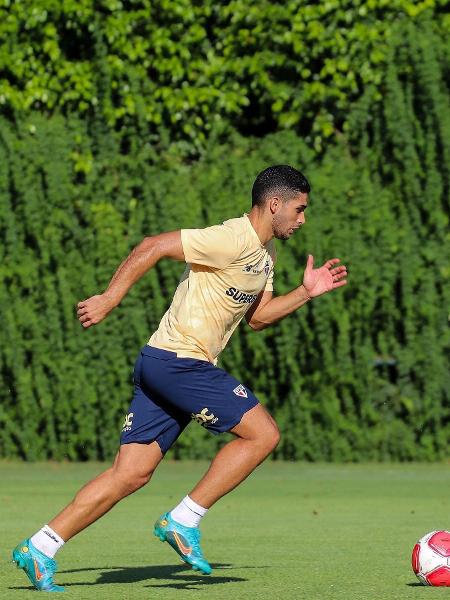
<point>94,309</point>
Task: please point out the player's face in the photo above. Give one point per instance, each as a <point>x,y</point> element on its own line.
<point>289,216</point>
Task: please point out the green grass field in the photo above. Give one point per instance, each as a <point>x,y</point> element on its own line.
<point>300,531</point>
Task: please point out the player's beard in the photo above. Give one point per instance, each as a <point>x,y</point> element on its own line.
<point>280,228</point>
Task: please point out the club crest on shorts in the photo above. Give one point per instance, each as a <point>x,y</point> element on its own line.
<point>240,391</point>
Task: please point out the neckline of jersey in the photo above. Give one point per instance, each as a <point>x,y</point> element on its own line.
<point>255,235</point>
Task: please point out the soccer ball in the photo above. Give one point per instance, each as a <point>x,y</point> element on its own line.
<point>431,558</point>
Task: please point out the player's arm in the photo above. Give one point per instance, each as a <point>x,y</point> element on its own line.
<point>267,309</point>
<point>142,258</point>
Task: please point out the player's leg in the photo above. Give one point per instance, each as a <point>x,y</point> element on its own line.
<point>132,468</point>
<point>220,403</point>
<point>148,432</point>
<point>257,436</point>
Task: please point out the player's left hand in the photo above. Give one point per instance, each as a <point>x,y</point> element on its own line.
<point>324,279</point>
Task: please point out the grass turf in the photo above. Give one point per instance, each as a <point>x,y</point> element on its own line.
<point>291,531</point>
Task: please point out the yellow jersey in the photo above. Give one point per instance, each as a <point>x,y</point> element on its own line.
<point>227,267</point>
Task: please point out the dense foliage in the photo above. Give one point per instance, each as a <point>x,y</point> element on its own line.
<point>359,374</point>
<point>190,66</point>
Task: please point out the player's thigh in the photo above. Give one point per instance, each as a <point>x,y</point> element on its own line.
<point>257,424</point>
<point>139,459</point>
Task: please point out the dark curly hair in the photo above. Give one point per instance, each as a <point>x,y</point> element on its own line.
<point>280,179</point>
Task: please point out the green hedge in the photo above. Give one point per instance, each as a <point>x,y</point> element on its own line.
<point>190,67</point>
<point>360,374</point>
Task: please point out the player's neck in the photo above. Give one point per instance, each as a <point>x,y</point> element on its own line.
<point>261,224</point>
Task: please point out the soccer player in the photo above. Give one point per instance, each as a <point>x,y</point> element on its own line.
<point>228,275</point>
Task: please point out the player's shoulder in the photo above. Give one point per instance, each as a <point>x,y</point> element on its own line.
<point>244,236</point>
<point>236,224</point>
<point>241,231</point>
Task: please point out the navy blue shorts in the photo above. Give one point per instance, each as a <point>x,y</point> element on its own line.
<point>169,392</point>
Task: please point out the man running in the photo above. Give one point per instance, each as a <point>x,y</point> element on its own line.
<point>229,274</point>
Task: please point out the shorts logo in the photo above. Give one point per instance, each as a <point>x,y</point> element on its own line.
<point>240,391</point>
<point>204,419</point>
<point>128,422</point>
<point>267,268</point>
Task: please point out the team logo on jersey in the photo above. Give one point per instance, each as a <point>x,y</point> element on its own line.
<point>203,418</point>
<point>256,269</point>
<point>128,422</point>
<point>252,269</point>
<point>240,391</point>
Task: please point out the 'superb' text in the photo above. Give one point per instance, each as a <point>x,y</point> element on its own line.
<point>241,297</point>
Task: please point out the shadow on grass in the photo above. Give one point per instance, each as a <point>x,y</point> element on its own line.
<point>182,577</point>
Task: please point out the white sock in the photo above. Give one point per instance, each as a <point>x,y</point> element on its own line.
<point>47,541</point>
<point>188,512</point>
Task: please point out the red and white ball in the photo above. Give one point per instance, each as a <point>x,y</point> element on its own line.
<point>431,558</point>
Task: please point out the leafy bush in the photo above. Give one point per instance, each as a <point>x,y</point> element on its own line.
<point>192,67</point>
<point>360,374</point>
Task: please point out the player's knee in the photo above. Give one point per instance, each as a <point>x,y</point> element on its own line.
<point>135,482</point>
<point>270,438</point>
<point>275,437</point>
<point>139,481</point>
<point>131,481</point>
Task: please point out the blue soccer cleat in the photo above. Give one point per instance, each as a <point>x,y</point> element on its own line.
<point>38,567</point>
<point>184,540</point>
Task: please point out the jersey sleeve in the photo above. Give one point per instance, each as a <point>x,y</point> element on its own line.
<point>215,246</point>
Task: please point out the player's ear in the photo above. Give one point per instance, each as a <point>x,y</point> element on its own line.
<point>274,204</point>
